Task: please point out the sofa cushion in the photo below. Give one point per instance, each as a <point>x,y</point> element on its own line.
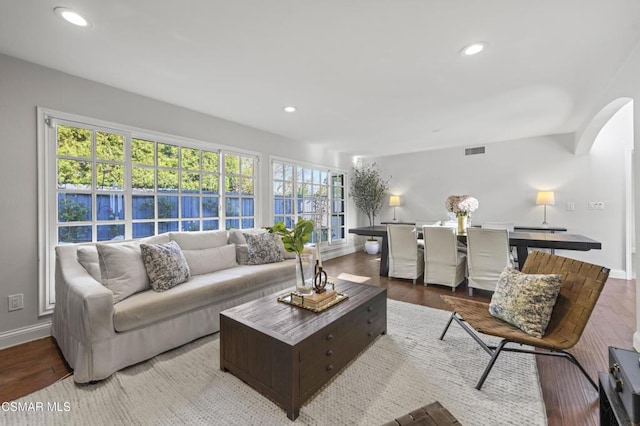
<point>156,239</point>
<point>263,248</point>
<point>199,240</point>
<point>88,258</point>
<point>211,259</point>
<point>122,270</point>
<point>525,300</point>
<point>151,307</point>
<point>165,265</point>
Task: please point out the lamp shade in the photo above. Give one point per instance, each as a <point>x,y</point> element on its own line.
<point>394,200</point>
<point>546,197</point>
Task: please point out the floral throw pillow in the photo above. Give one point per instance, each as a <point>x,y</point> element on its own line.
<point>525,300</point>
<point>165,264</point>
<point>263,248</point>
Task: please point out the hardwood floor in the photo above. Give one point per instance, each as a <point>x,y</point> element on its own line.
<point>569,398</point>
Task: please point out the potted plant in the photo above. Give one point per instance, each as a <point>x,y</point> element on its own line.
<point>368,190</point>
<point>294,240</point>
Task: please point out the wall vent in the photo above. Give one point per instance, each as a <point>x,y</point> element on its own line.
<point>474,151</point>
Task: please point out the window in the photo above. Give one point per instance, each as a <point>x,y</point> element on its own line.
<point>108,182</point>
<point>310,193</point>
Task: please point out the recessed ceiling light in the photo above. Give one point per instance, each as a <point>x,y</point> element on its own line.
<point>472,49</point>
<point>71,16</point>
<point>289,109</point>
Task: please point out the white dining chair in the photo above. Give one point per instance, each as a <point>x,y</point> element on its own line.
<point>443,263</point>
<point>488,253</point>
<point>406,259</point>
<point>503,225</point>
<point>422,223</point>
<point>498,225</point>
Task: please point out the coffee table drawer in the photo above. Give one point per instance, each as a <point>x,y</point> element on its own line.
<point>325,354</point>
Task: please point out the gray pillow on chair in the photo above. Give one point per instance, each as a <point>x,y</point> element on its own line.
<point>525,300</point>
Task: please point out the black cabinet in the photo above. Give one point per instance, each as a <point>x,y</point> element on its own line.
<point>612,412</point>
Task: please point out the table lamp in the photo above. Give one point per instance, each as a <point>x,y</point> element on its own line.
<point>546,198</point>
<point>394,201</point>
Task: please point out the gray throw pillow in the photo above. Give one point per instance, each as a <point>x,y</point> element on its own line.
<point>236,236</point>
<point>165,265</point>
<point>525,300</point>
<point>263,248</point>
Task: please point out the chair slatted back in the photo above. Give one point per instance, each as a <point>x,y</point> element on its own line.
<point>582,284</point>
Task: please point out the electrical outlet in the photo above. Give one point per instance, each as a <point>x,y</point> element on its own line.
<point>15,302</point>
<point>596,205</point>
<point>571,206</point>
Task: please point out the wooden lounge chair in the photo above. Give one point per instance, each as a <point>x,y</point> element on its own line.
<point>582,284</point>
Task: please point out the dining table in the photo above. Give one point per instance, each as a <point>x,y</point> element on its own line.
<point>522,241</point>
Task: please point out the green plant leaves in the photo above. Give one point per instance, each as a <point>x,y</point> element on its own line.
<point>294,239</point>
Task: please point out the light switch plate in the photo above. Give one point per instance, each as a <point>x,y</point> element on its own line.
<point>571,206</point>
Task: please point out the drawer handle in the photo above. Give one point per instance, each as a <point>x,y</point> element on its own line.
<point>329,367</point>
<point>330,337</point>
<point>618,385</point>
<point>370,321</point>
<point>369,309</point>
<point>329,352</point>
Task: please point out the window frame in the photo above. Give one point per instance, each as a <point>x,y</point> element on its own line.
<point>330,171</point>
<point>48,190</point>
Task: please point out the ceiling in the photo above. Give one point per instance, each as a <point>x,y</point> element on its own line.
<point>368,77</point>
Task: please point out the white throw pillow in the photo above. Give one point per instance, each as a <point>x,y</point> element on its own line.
<point>200,240</point>
<point>122,270</point>
<point>156,239</point>
<point>211,259</point>
<point>88,258</point>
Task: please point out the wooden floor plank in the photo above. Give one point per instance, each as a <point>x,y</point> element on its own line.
<point>569,398</point>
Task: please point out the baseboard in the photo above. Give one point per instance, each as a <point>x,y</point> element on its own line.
<point>25,334</point>
<point>333,252</point>
<point>618,274</point>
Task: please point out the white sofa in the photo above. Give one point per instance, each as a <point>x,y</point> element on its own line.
<point>98,336</point>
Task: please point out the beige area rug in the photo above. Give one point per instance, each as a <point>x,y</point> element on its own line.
<point>353,278</point>
<point>401,371</point>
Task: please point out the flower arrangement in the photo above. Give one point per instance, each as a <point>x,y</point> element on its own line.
<point>461,205</point>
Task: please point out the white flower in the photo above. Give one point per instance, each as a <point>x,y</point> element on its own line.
<point>461,204</point>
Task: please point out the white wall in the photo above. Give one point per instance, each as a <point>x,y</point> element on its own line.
<point>506,178</point>
<point>23,87</point>
<point>626,84</point>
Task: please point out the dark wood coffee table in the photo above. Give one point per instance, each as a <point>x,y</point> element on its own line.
<point>287,353</point>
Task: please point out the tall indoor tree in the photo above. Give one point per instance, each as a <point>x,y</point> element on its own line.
<point>368,190</point>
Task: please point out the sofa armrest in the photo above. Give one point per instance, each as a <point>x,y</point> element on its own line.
<point>83,305</point>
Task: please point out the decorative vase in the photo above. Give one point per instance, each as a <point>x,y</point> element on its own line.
<point>462,223</point>
<point>304,273</point>
<point>372,246</point>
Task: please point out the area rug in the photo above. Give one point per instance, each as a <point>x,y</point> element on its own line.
<point>353,278</point>
<point>401,371</point>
